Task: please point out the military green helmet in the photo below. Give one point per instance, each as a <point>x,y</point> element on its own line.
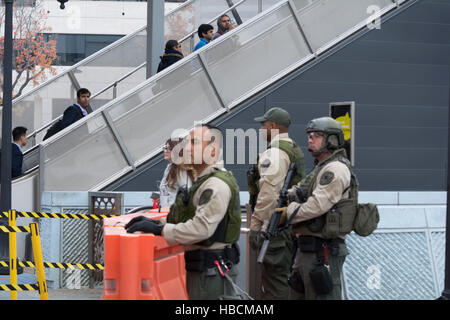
<point>334,135</point>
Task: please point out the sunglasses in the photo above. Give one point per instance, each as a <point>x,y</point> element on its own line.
<point>315,135</point>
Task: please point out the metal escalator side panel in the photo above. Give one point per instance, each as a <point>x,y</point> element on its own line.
<point>99,70</point>
<point>240,63</point>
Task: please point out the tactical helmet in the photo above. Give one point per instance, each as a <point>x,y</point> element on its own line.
<point>333,133</point>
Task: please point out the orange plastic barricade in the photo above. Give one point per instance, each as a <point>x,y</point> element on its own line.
<point>141,266</point>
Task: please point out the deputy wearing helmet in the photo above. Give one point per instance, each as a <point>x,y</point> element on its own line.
<point>322,214</point>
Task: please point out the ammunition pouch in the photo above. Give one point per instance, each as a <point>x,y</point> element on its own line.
<point>320,275</point>
<point>295,282</point>
<point>321,279</point>
<point>337,222</point>
<point>202,260</point>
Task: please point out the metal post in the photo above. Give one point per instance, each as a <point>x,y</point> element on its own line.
<point>74,80</point>
<point>260,6</point>
<point>12,253</point>
<point>299,25</point>
<point>5,197</point>
<point>38,260</point>
<point>115,90</point>
<point>234,12</point>
<point>155,35</point>
<point>202,59</point>
<point>119,140</point>
<point>191,43</point>
<point>446,292</point>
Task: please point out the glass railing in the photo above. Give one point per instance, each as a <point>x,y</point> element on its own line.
<point>115,69</point>
<point>247,8</point>
<point>130,130</point>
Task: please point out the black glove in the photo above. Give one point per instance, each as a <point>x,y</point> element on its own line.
<point>144,224</point>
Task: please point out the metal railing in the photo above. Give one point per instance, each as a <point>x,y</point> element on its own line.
<point>130,130</point>
<point>28,100</point>
<point>190,36</point>
<point>97,54</point>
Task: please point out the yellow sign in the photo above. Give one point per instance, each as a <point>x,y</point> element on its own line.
<point>345,123</point>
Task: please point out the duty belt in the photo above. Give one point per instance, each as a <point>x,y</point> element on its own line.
<point>201,260</point>
<point>315,244</point>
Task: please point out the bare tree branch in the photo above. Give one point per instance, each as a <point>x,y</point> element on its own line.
<point>32,54</point>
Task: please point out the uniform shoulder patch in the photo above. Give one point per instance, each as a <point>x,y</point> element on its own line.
<point>205,197</point>
<point>265,163</point>
<point>326,178</point>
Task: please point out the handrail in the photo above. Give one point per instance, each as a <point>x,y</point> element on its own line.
<point>144,63</point>
<point>119,80</point>
<point>96,54</point>
<point>212,20</point>
<point>192,56</point>
<point>155,149</point>
<point>34,133</point>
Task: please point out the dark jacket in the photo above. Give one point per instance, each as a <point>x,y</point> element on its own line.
<point>71,114</point>
<point>16,161</point>
<point>169,58</point>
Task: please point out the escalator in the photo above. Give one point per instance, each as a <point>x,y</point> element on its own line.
<point>116,141</point>
<point>118,67</point>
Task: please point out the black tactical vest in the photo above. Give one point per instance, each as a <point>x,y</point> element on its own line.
<point>339,220</point>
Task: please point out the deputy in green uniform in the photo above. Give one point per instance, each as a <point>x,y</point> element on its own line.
<point>205,219</point>
<point>265,181</point>
<point>322,221</point>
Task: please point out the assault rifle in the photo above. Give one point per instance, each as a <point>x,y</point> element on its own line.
<point>272,229</point>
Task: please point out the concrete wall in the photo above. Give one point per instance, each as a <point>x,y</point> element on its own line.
<point>98,17</point>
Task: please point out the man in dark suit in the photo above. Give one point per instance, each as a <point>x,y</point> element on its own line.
<point>72,114</point>
<point>19,141</point>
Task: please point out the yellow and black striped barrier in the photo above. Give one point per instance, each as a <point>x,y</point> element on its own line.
<point>58,265</point>
<point>32,214</point>
<point>13,229</point>
<point>13,286</point>
<point>19,287</point>
<point>39,264</point>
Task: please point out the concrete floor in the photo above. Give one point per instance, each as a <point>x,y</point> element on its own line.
<point>57,294</point>
<point>53,294</point>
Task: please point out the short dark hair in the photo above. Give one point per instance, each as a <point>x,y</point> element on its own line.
<point>204,28</point>
<point>18,132</point>
<point>171,43</point>
<point>82,91</point>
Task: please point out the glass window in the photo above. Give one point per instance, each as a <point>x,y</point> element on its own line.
<point>72,48</point>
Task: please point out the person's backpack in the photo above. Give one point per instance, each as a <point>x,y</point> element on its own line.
<point>366,220</point>
<point>54,129</point>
